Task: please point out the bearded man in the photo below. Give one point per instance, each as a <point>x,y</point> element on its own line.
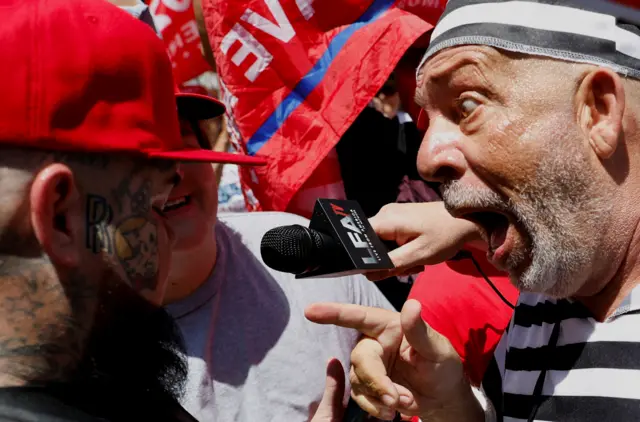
<point>534,110</point>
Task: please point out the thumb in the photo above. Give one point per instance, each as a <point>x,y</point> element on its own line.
<point>330,408</point>
<point>426,341</point>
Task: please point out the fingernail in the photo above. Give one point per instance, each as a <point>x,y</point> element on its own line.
<point>387,400</point>
<point>405,401</point>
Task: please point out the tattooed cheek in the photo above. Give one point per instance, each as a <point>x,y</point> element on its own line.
<point>136,246</point>
<point>138,199</point>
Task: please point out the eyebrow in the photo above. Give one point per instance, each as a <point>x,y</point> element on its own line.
<point>439,71</point>
<point>444,70</point>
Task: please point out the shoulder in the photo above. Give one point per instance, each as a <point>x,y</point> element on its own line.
<point>250,223</point>
<point>251,226</point>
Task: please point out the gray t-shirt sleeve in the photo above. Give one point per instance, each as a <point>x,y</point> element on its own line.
<point>366,293</point>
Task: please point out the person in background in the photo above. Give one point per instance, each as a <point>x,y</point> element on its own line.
<point>250,350</point>
<point>192,210</point>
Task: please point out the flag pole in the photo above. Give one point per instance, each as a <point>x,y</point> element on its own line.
<point>204,37</point>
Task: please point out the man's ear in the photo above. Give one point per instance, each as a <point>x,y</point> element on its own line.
<point>601,102</point>
<point>55,214</point>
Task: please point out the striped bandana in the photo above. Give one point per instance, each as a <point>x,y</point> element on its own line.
<point>584,31</point>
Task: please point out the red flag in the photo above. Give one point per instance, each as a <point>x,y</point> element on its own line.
<point>176,22</point>
<point>428,10</point>
<point>296,73</point>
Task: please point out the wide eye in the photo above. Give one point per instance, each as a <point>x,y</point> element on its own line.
<point>467,106</point>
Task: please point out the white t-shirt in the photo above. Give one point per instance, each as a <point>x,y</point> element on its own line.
<point>252,354</point>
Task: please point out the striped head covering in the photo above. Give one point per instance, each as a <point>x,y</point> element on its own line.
<point>585,31</point>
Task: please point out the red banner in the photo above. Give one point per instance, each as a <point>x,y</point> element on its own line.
<point>296,73</point>
<point>428,10</point>
<point>176,22</point>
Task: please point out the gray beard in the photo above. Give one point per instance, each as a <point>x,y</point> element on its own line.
<point>562,210</point>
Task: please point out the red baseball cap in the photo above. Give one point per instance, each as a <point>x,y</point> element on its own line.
<point>84,75</point>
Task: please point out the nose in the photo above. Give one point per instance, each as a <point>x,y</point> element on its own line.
<point>439,158</point>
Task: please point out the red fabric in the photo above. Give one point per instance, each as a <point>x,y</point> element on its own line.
<point>265,49</point>
<point>459,304</point>
<point>324,182</point>
<point>429,10</point>
<point>176,21</point>
<point>630,3</point>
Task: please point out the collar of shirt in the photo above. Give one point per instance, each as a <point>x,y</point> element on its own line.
<point>629,304</point>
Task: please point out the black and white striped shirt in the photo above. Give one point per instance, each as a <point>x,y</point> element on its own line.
<point>585,370</point>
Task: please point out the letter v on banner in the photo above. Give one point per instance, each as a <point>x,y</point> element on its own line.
<point>281,30</point>
<point>298,94</point>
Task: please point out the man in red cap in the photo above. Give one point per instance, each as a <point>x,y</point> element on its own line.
<point>242,321</point>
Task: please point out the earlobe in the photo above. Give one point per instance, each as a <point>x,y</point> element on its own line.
<point>55,214</point>
<point>602,103</point>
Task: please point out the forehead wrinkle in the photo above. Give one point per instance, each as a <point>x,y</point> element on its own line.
<point>471,65</point>
<point>444,66</point>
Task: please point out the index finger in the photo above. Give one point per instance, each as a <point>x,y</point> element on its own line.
<point>369,321</point>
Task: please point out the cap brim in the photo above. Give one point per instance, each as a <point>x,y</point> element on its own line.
<point>198,107</point>
<point>204,155</point>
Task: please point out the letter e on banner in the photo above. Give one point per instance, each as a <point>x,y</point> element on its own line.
<point>250,45</point>
<point>176,22</point>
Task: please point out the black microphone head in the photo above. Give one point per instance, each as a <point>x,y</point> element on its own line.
<point>289,249</point>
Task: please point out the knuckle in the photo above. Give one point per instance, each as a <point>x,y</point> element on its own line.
<point>358,354</point>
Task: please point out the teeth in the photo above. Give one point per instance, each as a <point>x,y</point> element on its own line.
<point>176,202</point>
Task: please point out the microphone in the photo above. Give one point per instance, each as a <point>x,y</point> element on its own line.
<point>339,241</point>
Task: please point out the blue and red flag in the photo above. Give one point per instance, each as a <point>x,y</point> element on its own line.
<point>296,73</point>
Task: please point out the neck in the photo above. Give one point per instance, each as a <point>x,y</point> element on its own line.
<point>610,293</point>
<point>190,269</point>
<point>43,329</point>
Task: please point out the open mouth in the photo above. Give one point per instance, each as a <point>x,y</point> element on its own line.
<point>176,203</point>
<point>495,226</point>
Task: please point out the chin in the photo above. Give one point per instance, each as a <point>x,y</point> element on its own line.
<point>191,233</point>
<point>547,276</point>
